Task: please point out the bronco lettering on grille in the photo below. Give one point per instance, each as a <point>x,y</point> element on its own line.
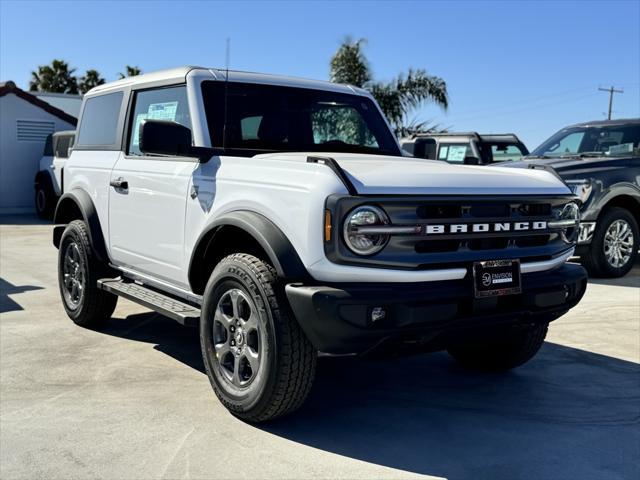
<point>436,229</point>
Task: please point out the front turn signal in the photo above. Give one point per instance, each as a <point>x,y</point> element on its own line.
<point>327,226</point>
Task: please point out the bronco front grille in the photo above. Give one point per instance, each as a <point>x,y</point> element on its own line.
<point>440,222</point>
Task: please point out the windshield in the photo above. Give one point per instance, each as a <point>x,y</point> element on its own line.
<point>614,140</point>
<point>268,118</point>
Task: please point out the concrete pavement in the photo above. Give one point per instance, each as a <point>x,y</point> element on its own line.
<point>132,401</point>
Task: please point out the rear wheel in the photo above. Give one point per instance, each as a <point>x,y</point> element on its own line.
<point>614,247</point>
<point>45,200</point>
<point>504,350</point>
<point>259,362</point>
<point>78,273</point>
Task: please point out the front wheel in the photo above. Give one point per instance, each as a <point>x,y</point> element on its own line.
<point>504,350</point>
<point>614,247</point>
<point>258,360</point>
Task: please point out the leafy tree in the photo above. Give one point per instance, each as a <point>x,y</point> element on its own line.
<point>396,98</point>
<point>91,79</point>
<point>56,78</point>
<point>130,72</point>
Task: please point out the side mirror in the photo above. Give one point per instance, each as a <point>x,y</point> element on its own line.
<point>471,161</point>
<point>160,137</point>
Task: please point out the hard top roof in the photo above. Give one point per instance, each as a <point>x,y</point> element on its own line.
<point>179,74</point>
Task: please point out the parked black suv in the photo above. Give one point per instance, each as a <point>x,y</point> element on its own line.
<point>600,161</point>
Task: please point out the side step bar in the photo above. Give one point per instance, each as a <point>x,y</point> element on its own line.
<point>169,307</point>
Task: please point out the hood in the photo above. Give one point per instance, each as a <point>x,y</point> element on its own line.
<point>577,165</point>
<point>374,174</point>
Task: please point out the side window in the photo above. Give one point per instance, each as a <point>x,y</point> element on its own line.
<point>62,146</point>
<point>454,153</point>
<point>425,148</point>
<point>99,123</point>
<point>158,104</point>
<point>504,153</point>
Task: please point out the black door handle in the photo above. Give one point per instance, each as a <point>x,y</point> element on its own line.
<point>119,183</point>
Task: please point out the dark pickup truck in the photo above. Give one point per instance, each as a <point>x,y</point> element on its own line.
<point>600,161</point>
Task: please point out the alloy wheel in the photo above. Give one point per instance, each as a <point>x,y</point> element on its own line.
<point>618,243</point>
<point>74,276</point>
<point>238,338</point>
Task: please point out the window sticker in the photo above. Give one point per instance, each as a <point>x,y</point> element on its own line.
<point>157,111</point>
<point>456,153</point>
<point>444,151</point>
<point>622,148</point>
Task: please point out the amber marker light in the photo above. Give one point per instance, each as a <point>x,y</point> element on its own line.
<point>327,226</point>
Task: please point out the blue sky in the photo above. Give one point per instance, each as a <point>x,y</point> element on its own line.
<point>523,67</point>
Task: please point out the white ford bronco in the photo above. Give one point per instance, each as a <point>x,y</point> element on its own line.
<point>279,216</point>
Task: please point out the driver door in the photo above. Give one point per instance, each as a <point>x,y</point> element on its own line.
<point>148,194</point>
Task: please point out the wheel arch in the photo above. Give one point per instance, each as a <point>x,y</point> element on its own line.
<point>628,202</point>
<point>78,205</point>
<point>245,231</point>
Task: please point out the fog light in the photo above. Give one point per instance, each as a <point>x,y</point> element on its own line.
<point>378,314</point>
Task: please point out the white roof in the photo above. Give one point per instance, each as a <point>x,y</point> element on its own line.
<point>180,74</point>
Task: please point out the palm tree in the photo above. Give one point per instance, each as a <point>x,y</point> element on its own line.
<point>396,98</point>
<point>130,72</point>
<point>56,78</point>
<point>91,79</point>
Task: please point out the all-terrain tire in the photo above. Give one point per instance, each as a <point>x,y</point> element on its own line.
<point>287,366</point>
<point>93,307</point>
<point>595,261</point>
<point>503,351</point>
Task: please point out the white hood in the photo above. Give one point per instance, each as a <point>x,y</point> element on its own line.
<point>373,174</point>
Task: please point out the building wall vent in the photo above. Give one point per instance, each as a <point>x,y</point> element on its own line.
<point>34,130</point>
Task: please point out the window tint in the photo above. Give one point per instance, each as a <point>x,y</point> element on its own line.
<point>504,153</point>
<point>99,122</point>
<point>425,148</point>
<point>158,104</point>
<point>607,140</point>
<point>267,118</point>
<point>62,146</point>
<point>454,152</point>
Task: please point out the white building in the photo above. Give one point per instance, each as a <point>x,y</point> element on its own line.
<point>66,102</point>
<point>25,123</point>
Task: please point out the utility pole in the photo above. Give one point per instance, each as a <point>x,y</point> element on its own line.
<point>611,91</point>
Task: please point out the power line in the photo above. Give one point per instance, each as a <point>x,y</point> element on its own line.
<point>611,91</point>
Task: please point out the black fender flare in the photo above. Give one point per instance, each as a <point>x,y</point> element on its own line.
<point>66,211</point>
<point>273,241</point>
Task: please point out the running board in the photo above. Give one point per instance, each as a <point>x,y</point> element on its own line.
<point>169,307</point>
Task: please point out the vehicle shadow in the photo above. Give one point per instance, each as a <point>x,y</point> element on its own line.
<point>568,413</point>
<point>7,304</point>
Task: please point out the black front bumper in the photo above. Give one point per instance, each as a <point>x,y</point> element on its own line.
<point>337,318</point>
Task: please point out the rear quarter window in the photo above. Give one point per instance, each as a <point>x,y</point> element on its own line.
<point>99,123</point>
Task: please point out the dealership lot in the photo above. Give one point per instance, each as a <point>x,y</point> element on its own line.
<point>132,401</point>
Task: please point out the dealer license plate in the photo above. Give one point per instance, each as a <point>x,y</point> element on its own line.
<point>496,277</point>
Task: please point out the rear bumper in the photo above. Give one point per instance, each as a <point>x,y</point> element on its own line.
<point>336,318</point>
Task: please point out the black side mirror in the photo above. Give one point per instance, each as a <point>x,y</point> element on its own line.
<point>471,161</point>
<point>160,137</point>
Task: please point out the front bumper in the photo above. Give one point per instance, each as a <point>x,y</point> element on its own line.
<point>337,318</point>
<point>585,232</point>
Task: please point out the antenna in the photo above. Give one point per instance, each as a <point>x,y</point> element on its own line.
<point>226,93</point>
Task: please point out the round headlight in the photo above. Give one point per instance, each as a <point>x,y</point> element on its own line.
<point>360,233</point>
<point>566,219</point>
